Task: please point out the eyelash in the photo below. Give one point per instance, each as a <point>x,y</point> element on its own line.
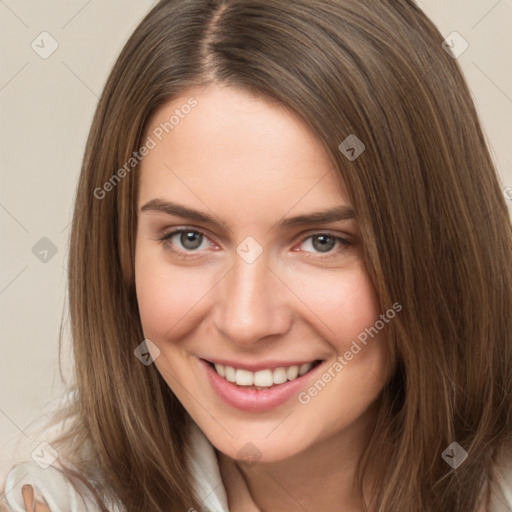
<point>165,240</point>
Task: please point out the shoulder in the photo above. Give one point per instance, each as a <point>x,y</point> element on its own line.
<point>50,486</point>
<point>502,490</point>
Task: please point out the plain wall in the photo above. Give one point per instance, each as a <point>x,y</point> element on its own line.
<point>46,110</point>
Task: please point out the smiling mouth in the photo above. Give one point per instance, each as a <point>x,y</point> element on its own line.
<point>263,379</point>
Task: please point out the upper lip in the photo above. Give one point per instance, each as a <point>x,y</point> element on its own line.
<point>254,367</point>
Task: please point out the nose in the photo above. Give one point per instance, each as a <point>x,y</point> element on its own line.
<point>252,303</point>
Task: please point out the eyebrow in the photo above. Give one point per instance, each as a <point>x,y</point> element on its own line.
<point>325,216</point>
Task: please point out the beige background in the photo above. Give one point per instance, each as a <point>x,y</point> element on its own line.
<point>47,106</point>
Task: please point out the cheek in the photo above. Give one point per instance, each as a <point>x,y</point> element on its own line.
<point>345,302</point>
<point>167,295</point>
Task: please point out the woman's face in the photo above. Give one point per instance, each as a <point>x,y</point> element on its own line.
<point>265,276</point>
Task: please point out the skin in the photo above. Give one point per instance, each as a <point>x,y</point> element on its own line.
<point>31,504</point>
<point>251,162</point>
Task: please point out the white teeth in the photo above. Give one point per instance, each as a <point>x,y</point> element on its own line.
<point>262,378</point>
<point>244,377</point>
<point>230,373</point>
<point>292,372</point>
<point>220,370</point>
<point>304,368</point>
<point>279,375</point>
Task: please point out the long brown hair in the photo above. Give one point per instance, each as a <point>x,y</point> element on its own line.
<point>434,228</point>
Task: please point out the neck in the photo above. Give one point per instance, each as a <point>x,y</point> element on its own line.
<point>319,478</point>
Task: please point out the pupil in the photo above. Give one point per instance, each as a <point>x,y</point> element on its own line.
<point>327,243</point>
<point>190,240</point>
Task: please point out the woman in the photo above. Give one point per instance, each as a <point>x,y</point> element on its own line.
<point>291,273</point>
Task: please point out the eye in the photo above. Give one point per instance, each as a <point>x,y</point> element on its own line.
<point>324,243</point>
<point>186,241</point>
<point>189,243</point>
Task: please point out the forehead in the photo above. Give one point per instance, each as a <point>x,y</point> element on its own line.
<point>232,146</point>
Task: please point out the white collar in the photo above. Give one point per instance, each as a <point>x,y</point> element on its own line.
<point>205,469</point>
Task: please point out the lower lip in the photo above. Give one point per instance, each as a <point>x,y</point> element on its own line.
<point>256,400</point>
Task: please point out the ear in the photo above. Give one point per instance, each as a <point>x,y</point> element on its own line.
<point>31,505</point>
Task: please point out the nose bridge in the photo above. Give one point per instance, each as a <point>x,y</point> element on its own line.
<point>249,304</point>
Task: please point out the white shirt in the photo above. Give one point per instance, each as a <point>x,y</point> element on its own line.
<point>61,496</point>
